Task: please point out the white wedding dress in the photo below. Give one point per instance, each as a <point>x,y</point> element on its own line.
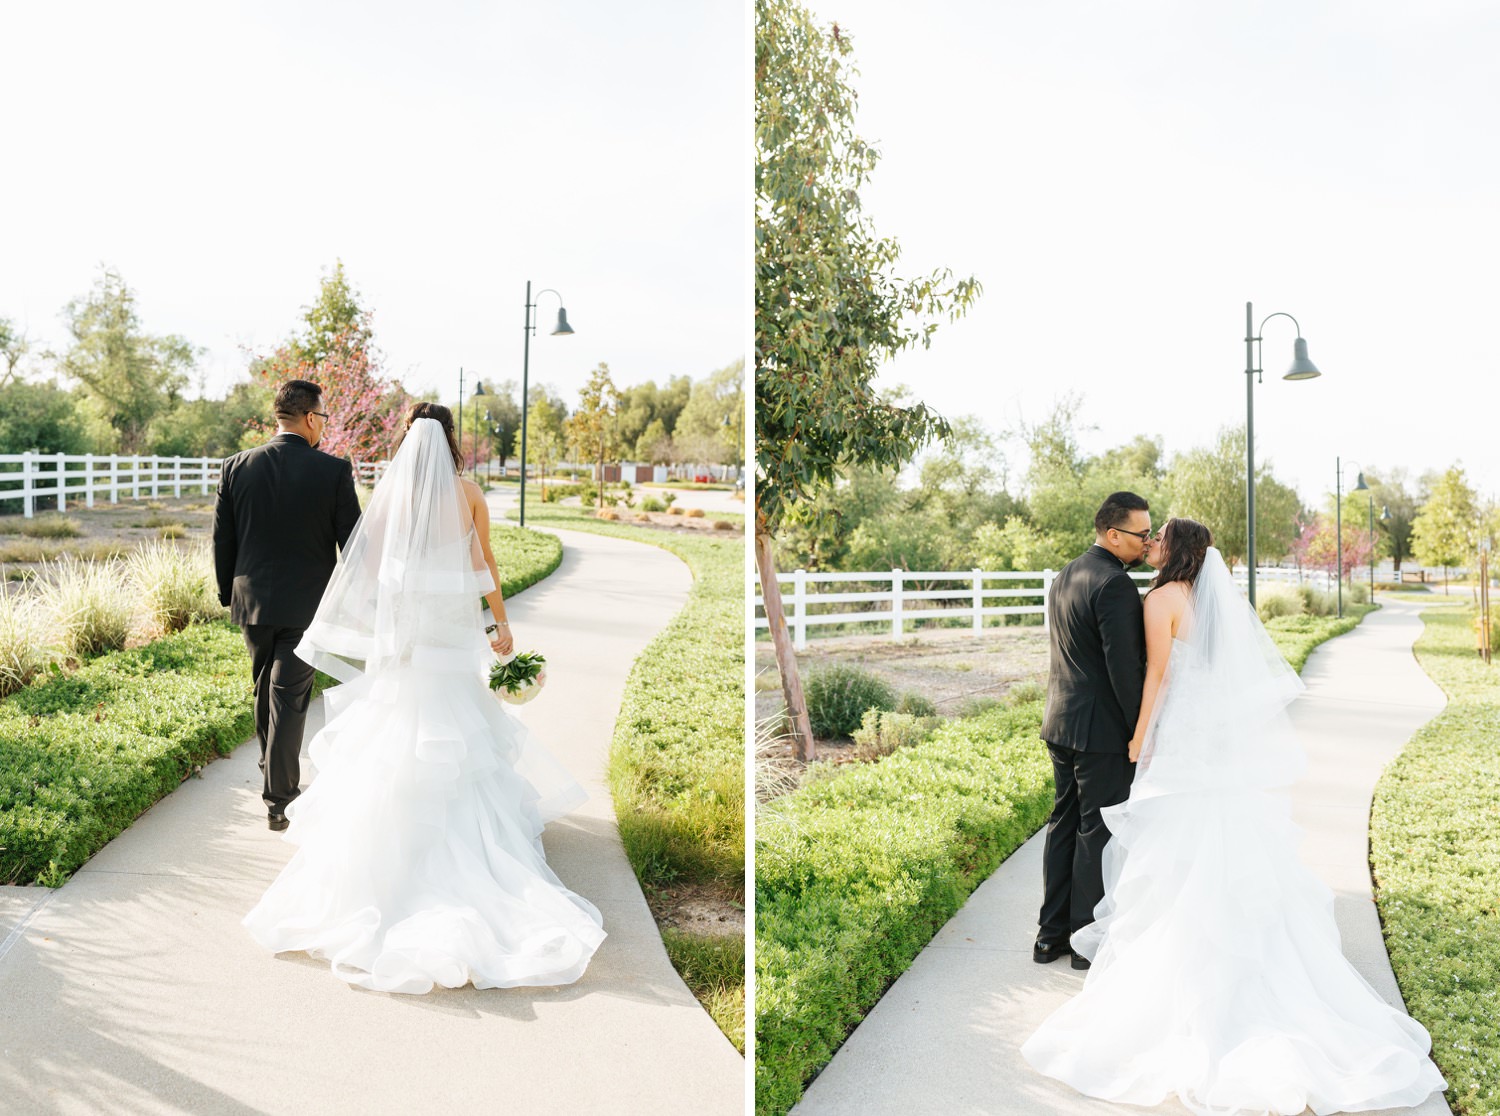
<point>1217,971</point>
<point>419,857</point>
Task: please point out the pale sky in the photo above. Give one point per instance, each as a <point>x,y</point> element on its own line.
<point>222,155</point>
<point>1123,178</point>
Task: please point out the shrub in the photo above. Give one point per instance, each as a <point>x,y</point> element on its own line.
<point>695,513</point>
<point>673,510</point>
<point>1024,693</point>
<point>1358,592</point>
<point>172,531</point>
<point>838,695</point>
<point>25,642</point>
<point>88,605</point>
<point>881,733</point>
<point>652,504</point>
<point>1280,601</point>
<point>30,551</point>
<point>1318,602</point>
<point>723,525</point>
<point>669,498</point>
<point>51,527</point>
<point>979,706</point>
<point>918,705</point>
<point>173,587</point>
<point>607,513</point>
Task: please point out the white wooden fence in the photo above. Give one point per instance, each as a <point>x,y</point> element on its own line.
<point>890,603</point>
<point>76,479</point>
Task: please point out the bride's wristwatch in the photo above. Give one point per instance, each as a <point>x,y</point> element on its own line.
<point>496,627</point>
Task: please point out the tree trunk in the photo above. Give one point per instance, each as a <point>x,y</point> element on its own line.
<point>786,655</point>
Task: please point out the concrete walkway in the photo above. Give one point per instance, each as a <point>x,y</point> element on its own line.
<point>946,1036</point>
<point>134,989</point>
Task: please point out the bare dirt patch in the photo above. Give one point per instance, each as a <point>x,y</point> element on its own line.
<point>106,531</point>
<point>701,909</point>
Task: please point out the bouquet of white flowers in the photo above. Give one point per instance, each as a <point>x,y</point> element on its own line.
<point>518,677</point>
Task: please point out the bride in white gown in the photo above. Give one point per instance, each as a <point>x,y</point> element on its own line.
<point>419,855</point>
<point>1217,971</point>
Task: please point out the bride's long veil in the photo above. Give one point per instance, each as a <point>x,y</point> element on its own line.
<point>407,586</point>
<point>1219,718</point>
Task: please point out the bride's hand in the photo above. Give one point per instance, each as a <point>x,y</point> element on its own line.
<point>1135,748</point>
<point>501,642</point>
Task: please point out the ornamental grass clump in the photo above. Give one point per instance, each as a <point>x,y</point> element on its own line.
<point>172,586</point>
<point>88,605</point>
<point>838,696</point>
<point>25,650</point>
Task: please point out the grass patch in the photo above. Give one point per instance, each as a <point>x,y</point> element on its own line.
<point>714,968</point>
<point>677,762</point>
<point>1435,858</point>
<point>856,872</point>
<point>51,527</point>
<point>82,755</point>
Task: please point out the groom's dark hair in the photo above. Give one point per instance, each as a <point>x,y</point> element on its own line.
<point>296,397</point>
<point>1116,510</point>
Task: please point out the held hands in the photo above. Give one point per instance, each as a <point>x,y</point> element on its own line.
<point>1135,748</point>
<point>501,642</point>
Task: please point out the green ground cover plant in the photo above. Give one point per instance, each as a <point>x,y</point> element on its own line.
<point>855,872</point>
<point>522,556</point>
<point>677,760</point>
<point>1435,858</point>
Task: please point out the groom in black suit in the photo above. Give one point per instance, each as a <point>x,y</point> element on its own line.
<point>282,508</point>
<point>1095,677</point>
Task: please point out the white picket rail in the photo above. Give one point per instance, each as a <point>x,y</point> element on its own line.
<point>888,604</point>
<point>76,479</point>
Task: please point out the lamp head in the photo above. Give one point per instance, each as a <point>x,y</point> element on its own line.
<point>479,388</point>
<point>1385,514</point>
<point>562,328</point>
<point>1359,483</point>
<point>1302,368</point>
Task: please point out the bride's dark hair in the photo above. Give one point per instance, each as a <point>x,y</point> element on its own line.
<point>445,418</point>
<point>1187,545</point>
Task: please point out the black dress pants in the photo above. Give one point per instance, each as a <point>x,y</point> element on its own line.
<point>283,687</point>
<point>1072,863</point>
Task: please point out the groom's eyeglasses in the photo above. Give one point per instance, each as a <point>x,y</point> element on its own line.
<point>321,414</point>
<point>1144,536</point>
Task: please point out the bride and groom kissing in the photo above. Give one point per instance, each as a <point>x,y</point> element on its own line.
<point>419,858</point>
<point>1170,869</point>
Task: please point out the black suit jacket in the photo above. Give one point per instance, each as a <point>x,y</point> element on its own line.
<point>281,509</point>
<point>1098,662</point>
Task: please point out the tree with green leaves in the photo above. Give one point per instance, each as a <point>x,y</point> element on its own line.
<point>1392,495</point>
<point>132,376</point>
<point>591,427</point>
<point>828,308</point>
<point>14,348</point>
<point>41,417</point>
<point>545,437</point>
<point>1208,484</point>
<point>1446,529</point>
<point>710,425</point>
<point>335,320</point>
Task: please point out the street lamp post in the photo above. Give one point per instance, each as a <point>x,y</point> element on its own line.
<point>560,329</point>
<point>1301,369</point>
<point>1385,516</point>
<point>478,392</point>
<point>1338,529</point>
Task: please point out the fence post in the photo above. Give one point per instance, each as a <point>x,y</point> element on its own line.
<point>88,480</point>
<point>799,602</point>
<point>28,501</point>
<point>206,463</point>
<point>176,476</point>
<point>978,599</point>
<point>62,482</point>
<point>1047,576</point>
<point>897,611</point>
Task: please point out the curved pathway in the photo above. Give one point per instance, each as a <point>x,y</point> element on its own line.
<point>945,1038</point>
<point>134,989</point>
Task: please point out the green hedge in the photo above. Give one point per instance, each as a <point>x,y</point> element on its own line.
<point>522,556</point>
<point>1296,636</point>
<point>1435,857</point>
<point>854,874</point>
<point>83,755</point>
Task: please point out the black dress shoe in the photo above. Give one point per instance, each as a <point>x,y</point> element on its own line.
<point>278,822</point>
<point>1080,962</point>
<point>1044,952</point>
